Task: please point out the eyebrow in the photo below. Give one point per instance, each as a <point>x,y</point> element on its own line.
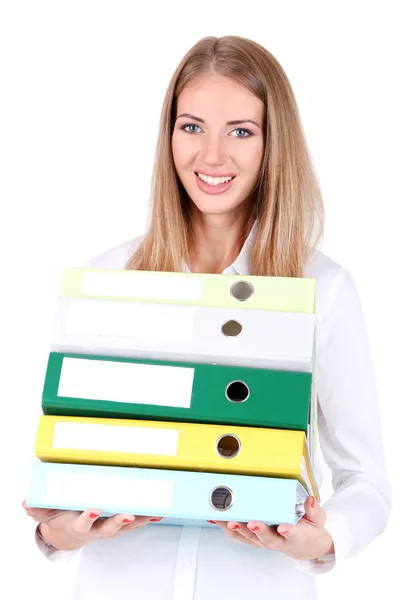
<point>236,122</point>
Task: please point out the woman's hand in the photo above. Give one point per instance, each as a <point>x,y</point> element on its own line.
<point>70,530</point>
<point>306,540</point>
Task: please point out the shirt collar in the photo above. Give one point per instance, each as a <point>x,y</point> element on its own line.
<point>240,266</point>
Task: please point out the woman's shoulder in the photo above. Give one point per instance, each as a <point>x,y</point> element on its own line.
<point>322,267</point>
<point>334,281</point>
<point>116,257</point>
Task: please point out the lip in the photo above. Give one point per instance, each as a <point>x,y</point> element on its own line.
<point>215,174</point>
<point>213,189</point>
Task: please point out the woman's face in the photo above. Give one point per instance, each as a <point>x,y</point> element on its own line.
<point>218,143</point>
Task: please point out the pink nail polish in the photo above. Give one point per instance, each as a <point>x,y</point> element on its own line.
<point>94,515</point>
<point>213,522</point>
<point>235,527</point>
<point>283,532</point>
<point>155,520</point>
<point>256,528</point>
<point>313,502</point>
<point>126,521</point>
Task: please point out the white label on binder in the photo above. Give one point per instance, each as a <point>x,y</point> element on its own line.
<point>149,287</point>
<point>111,438</point>
<point>90,490</point>
<point>130,320</point>
<point>126,382</point>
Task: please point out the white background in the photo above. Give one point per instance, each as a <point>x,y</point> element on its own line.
<point>82,85</point>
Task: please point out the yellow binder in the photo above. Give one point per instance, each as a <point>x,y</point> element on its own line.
<point>180,446</point>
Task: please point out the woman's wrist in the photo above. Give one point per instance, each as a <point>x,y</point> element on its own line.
<point>55,540</point>
<point>331,549</point>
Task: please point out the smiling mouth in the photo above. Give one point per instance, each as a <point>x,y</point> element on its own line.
<point>214,181</point>
<point>214,185</point>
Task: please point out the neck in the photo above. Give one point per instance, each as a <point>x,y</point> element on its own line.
<point>218,240</point>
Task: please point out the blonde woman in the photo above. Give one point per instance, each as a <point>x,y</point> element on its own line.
<point>234,192</point>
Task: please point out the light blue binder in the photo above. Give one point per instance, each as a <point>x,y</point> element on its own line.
<point>180,497</point>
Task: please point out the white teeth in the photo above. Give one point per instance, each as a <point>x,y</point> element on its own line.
<point>213,180</point>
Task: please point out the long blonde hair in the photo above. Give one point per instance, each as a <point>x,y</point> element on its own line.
<point>287,204</point>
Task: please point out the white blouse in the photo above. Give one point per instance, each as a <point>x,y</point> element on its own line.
<point>159,562</point>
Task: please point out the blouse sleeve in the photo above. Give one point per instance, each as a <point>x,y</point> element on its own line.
<point>51,553</point>
<point>349,427</point>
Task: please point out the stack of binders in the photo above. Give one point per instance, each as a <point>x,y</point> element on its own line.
<point>186,396</point>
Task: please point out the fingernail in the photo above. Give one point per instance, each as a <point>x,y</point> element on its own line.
<point>126,521</point>
<point>256,528</point>
<point>313,502</point>
<point>283,532</point>
<point>235,527</point>
<point>159,519</point>
<point>94,515</point>
<point>213,522</point>
<point>24,505</point>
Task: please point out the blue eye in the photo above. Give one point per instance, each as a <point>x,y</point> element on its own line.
<point>185,127</point>
<point>246,131</point>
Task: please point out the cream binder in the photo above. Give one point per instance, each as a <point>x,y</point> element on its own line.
<point>282,294</point>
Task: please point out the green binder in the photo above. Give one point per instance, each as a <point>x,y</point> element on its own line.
<point>102,386</point>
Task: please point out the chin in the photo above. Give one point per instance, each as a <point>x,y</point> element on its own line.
<point>214,206</point>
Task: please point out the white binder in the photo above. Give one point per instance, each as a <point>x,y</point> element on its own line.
<point>260,339</point>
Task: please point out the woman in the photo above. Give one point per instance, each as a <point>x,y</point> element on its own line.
<point>234,192</point>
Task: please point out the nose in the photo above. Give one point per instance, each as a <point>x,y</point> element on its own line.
<point>212,151</point>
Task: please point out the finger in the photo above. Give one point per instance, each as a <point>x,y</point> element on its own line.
<point>243,530</point>
<point>83,524</point>
<point>287,531</point>
<point>236,536</point>
<point>267,536</point>
<point>120,523</point>
<point>314,513</point>
<point>137,523</point>
<point>110,526</point>
<point>40,515</point>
